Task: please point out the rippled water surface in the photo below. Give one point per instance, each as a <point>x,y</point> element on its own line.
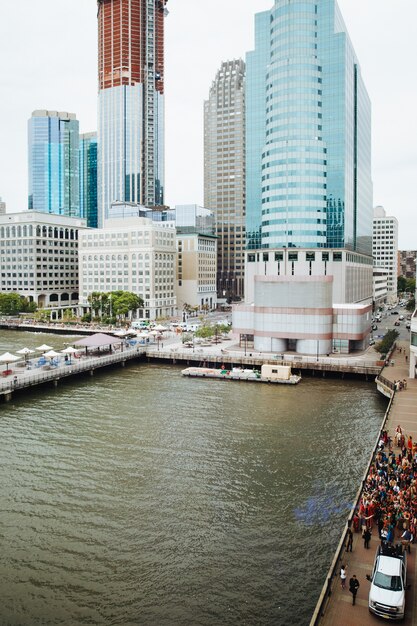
<point>141,497</point>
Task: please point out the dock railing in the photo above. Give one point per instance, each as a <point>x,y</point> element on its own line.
<point>334,570</point>
<point>39,375</point>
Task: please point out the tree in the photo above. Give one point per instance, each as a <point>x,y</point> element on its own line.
<point>384,346</point>
<point>13,304</point>
<point>401,284</point>
<point>411,304</point>
<point>125,301</point>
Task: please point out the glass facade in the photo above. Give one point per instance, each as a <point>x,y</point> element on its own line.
<point>54,163</point>
<point>312,117</point>
<point>121,157</point>
<point>88,178</point>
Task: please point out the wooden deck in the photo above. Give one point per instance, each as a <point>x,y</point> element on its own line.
<point>337,609</point>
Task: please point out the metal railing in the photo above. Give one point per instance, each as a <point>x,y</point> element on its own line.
<point>333,573</point>
<point>31,377</point>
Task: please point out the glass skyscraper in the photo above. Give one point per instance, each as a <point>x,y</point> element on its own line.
<point>88,178</point>
<point>131,103</point>
<point>54,163</point>
<point>308,132</point>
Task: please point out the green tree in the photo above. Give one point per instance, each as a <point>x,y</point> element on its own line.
<point>389,338</point>
<point>205,331</point>
<point>13,304</point>
<point>401,284</point>
<point>125,301</point>
<point>411,304</point>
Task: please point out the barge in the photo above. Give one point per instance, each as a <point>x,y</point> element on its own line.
<point>269,374</point>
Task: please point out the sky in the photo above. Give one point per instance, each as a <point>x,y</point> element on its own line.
<point>48,60</point>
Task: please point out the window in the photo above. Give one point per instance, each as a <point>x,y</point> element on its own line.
<point>310,256</point>
<point>251,258</point>
<point>337,256</point>
<point>279,256</point>
<point>293,256</point>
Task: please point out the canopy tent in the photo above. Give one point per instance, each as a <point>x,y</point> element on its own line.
<point>97,341</point>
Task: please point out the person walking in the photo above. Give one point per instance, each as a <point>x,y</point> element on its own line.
<point>353,588</point>
<point>343,576</point>
<point>366,537</point>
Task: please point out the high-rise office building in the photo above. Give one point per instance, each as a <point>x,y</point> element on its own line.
<point>308,132</point>
<point>88,178</point>
<point>224,173</point>
<point>385,248</point>
<point>54,163</point>
<point>131,102</point>
<point>308,270</point>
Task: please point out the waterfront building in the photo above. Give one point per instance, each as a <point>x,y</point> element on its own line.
<point>385,248</point>
<point>54,163</point>
<point>39,258</point>
<point>309,188</point>
<point>224,173</point>
<point>407,263</point>
<point>131,254</point>
<point>2,207</point>
<point>88,178</point>
<point>197,257</point>
<point>130,103</point>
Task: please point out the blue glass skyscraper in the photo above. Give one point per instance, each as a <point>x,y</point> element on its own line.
<point>88,178</point>
<point>54,163</point>
<point>308,132</point>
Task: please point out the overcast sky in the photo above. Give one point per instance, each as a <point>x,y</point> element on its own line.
<point>48,59</point>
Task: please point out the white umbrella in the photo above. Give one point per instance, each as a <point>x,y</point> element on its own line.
<point>25,352</point>
<point>51,354</point>
<point>160,328</point>
<point>154,333</point>
<point>8,358</point>
<point>44,348</point>
<point>70,350</point>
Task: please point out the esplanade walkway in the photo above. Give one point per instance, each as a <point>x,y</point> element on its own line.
<point>336,609</point>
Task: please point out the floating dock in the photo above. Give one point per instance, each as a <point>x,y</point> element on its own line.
<point>238,373</point>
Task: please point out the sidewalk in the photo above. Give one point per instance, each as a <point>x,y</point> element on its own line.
<point>339,611</point>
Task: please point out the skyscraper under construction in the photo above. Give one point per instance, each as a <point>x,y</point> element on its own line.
<point>131,102</point>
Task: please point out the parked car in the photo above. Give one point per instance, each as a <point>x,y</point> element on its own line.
<point>394,312</point>
<point>372,342</point>
<point>374,327</point>
<point>397,323</point>
<point>401,317</point>
<point>408,325</point>
<point>388,582</point>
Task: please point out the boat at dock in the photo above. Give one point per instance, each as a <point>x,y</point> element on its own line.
<point>268,374</point>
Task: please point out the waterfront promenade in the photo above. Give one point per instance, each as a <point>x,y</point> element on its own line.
<point>339,610</point>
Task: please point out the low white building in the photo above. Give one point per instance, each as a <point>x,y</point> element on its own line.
<point>132,254</point>
<point>39,257</point>
<point>312,301</point>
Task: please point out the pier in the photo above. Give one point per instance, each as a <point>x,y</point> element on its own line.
<point>334,607</point>
<point>24,379</point>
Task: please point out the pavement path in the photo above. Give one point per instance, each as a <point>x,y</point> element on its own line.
<point>339,611</point>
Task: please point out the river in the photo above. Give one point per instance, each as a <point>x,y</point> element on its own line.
<point>142,497</point>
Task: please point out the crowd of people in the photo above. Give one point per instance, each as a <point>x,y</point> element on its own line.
<point>389,498</point>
